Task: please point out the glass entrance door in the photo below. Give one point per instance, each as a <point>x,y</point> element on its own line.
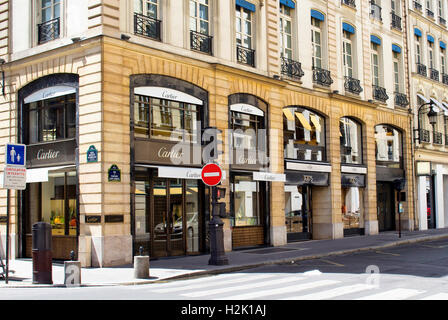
<point>298,212</point>
<point>166,216</point>
<point>385,206</point>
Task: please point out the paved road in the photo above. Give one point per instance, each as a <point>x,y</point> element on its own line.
<point>417,271</point>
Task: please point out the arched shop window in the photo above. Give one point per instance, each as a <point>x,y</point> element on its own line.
<point>351,141</point>
<point>388,146</point>
<point>303,134</point>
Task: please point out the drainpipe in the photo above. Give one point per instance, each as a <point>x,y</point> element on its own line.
<point>411,111</point>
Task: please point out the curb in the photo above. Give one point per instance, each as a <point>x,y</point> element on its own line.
<point>243,267</point>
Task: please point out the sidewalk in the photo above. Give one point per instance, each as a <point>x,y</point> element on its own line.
<point>190,266</point>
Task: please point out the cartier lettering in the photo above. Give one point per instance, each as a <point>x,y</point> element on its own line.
<point>164,153</point>
<point>169,95</point>
<point>47,154</point>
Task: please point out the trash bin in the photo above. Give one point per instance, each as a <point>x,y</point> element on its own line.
<point>41,252</point>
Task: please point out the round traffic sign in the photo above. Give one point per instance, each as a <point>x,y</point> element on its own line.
<point>211,174</point>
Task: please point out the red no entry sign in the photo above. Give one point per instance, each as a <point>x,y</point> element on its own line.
<point>211,174</point>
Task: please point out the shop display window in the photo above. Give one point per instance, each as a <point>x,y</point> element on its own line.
<point>164,119</point>
<point>51,119</point>
<point>352,207</point>
<point>303,134</point>
<point>245,201</point>
<point>351,143</point>
<point>388,146</point>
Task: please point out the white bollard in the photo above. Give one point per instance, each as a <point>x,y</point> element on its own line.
<point>72,273</point>
<point>141,267</point>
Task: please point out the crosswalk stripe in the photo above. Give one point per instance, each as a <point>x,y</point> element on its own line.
<point>282,290</point>
<point>394,294</point>
<point>437,296</point>
<point>243,287</point>
<point>332,293</point>
<point>209,283</point>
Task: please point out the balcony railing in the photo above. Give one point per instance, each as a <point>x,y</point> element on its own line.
<point>437,138</point>
<point>352,85</point>
<point>401,100</point>
<point>245,55</point>
<point>292,68</point>
<point>444,78</point>
<point>48,31</point>
<point>201,42</point>
<point>424,136</point>
<point>375,11</point>
<point>417,6</point>
<point>380,94</point>
<point>396,21</point>
<point>421,69</point>
<point>442,21</point>
<point>350,3</point>
<point>429,13</point>
<point>434,74</point>
<point>147,26</point>
<point>322,76</point>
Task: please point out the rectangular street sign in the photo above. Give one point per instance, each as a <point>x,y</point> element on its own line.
<point>14,178</point>
<point>15,154</point>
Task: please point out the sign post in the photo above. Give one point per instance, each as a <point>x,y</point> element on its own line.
<point>211,175</point>
<point>14,177</point>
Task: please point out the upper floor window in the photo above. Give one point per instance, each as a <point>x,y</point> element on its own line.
<point>396,60</point>
<point>286,31</point>
<point>304,134</point>
<point>375,61</point>
<point>442,61</point>
<point>146,23</point>
<point>316,42</point>
<point>199,16</point>
<point>350,137</point>
<point>49,27</point>
<point>244,13</point>
<point>347,47</point>
<point>430,55</point>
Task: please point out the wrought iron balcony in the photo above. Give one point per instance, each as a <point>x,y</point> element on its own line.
<point>245,55</point>
<point>437,138</point>
<point>48,31</point>
<point>434,74</point>
<point>429,13</point>
<point>401,100</point>
<point>442,21</point>
<point>375,11</point>
<point>421,69</point>
<point>424,136</point>
<point>380,94</point>
<point>201,42</point>
<point>352,85</point>
<point>417,6</point>
<point>350,3</point>
<point>444,78</point>
<point>147,26</point>
<point>396,21</point>
<point>322,76</point>
<point>292,68</point>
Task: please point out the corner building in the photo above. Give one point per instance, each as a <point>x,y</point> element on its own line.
<point>104,98</point>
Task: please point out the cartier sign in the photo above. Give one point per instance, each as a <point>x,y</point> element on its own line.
<point>53,153</point>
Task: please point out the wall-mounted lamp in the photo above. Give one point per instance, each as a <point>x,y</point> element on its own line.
<point>125,37</point>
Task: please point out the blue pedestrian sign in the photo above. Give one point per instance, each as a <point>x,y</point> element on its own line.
<point>15,154</point>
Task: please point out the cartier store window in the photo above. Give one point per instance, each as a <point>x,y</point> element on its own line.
<point>304,134</point>
<point>163,119</point>
<point>388,146</point>
<point>246,201</point>
<point>350,137</point>
<point>51,119</point>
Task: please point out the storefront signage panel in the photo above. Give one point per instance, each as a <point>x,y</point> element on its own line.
<point>54,153</point>
<point>307,167</point>
<point>268,176</point>
<point>353,180</point>
<point>49,93</point>
<point>161,152</point>
<point>179,173</point>
<point>167,94</point>
<point>247,108</point>
<point>309,178</point>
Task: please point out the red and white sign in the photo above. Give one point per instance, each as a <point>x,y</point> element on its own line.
<point>14,178</point>
<point>211,174</point>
